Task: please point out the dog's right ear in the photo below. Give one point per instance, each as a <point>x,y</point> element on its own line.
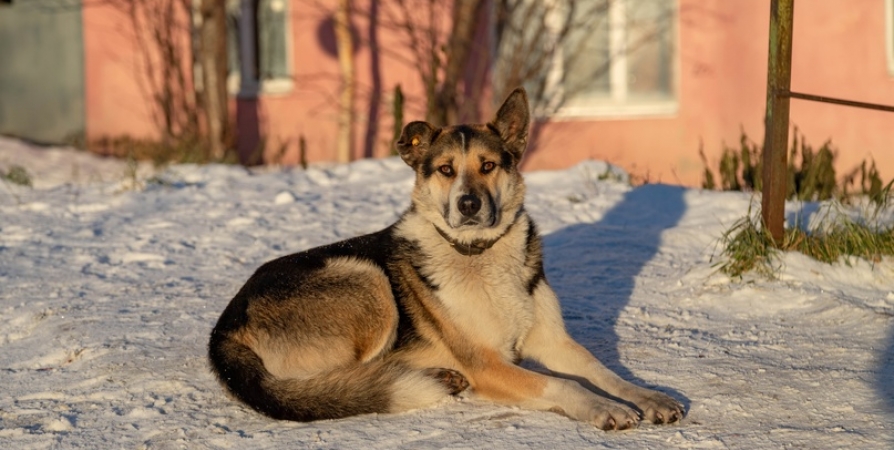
<point>414,142</point>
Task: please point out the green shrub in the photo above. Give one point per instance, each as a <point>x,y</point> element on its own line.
<point>811,172</point>
<point>746,246</point>
<point>739,169</point>
<point>16,174</point>
<point>870,184</point>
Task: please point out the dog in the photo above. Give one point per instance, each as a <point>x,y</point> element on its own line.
<point>447,300</point>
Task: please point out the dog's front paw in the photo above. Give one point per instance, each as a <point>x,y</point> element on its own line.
<point>660,408</point>
<point>609,415</point>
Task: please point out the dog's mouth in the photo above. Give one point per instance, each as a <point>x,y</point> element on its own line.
<point>469,223</point>
<point>475,222</point>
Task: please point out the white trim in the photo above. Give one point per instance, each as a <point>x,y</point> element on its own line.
<point>556,71</point>
<point>889,34</point>
<point>617,37</point>
<point>665,108</point>
<point>283,85</point>
<point>276,86</point>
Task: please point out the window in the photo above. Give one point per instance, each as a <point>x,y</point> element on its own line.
<point>258,46</point>
<point>889,34</point>
<point>602,58</point>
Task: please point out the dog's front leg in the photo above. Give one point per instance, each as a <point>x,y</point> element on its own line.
<point>549,343</point>
<point>503,382</point>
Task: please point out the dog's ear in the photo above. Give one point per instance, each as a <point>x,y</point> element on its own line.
<point>414,142</point>
<point>512,122</point>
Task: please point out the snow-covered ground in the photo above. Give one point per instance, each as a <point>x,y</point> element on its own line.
<point>110,284</point>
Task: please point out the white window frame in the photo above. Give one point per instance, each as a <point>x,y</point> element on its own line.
<point>618,104</point>
<point>246,84</point>
<point>889,34</point>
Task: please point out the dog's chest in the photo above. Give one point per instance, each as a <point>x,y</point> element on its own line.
<point>487,300</point>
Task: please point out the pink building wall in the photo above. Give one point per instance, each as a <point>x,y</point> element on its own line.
<point>839,50</point>
<point>116,102</point>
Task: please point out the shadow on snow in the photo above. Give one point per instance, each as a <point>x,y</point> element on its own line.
<point>593,268</point>
<point>884,382</point>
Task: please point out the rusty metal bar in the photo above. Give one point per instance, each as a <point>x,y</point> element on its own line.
<point>779,79</point>
<point>835,101</point>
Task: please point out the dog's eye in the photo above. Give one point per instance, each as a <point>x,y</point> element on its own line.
<point>487,167</point>
<point>446,169</point>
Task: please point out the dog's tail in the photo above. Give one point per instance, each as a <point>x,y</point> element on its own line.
<point>377,386</point>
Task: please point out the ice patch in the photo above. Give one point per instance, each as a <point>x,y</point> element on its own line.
<point>61,424</point>
<point>89,208</point>
<point>136,257</point>
<point>284,198</point>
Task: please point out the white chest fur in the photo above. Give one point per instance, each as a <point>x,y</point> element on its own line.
<point>486,296</point>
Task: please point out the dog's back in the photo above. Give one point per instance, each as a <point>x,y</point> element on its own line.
<point>306,337</point>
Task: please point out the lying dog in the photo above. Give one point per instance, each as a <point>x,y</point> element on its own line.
<point>450,297</point>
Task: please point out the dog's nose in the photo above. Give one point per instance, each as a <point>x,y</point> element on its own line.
<point>469,205</point>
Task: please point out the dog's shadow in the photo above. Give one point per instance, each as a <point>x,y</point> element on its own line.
<point>593,269</point>
<point>884,382</point>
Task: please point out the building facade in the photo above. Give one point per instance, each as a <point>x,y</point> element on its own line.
<point>642,84</point>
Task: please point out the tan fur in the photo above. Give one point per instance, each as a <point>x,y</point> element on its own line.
<point>360,329</point>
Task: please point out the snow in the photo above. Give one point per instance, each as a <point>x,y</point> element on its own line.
<point>111,277</point>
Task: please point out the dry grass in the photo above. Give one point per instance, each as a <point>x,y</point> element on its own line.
<point>746,246</point>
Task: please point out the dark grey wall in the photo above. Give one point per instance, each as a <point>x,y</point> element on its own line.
<point>41,69</point>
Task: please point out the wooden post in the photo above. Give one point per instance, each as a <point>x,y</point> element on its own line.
<point>779,78</point>
<point>213,59</point>
<point>345,46</point>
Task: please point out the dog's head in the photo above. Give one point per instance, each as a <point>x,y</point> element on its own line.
<point>467,178</point>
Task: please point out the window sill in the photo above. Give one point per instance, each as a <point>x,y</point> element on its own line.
<point>273,87</point>
<point>616,111</point>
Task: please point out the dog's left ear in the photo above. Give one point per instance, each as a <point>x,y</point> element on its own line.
<point>414,141</point>
<point>512,122</point>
